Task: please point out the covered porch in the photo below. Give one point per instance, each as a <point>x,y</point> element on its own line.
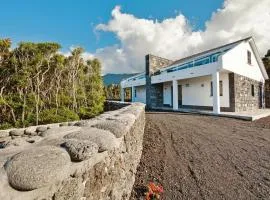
<point>208,92</point>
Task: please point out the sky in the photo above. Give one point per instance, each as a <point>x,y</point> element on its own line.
<point>121,32</point>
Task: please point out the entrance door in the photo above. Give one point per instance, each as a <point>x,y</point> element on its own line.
<point>179,95</point>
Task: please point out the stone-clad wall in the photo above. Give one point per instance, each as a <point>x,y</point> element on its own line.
<point>155,63</point>
<point>154,93</point>
<point>91,159</point>
<point>241,98</point>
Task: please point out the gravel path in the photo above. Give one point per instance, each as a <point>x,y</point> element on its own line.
<point>203,157</point>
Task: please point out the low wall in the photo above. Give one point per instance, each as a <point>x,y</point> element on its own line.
<point>90,159</point>
<point>114,105</point>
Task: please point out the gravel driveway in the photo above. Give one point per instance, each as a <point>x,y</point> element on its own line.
<point>203,157</point>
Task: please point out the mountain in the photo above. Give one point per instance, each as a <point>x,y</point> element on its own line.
<point>115,78</point>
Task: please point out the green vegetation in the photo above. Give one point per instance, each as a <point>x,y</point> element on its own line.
<point>266,61</point>
<point>112,92</point>
<point>38,85</point>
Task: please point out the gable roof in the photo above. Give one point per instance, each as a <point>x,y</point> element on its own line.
<point>209,51</point>
<point>203,53</point>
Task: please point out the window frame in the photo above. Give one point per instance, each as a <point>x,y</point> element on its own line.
<point>249,60</point>
<point>220,88</point>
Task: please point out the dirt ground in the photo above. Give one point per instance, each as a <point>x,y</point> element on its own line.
<point>203,157</point>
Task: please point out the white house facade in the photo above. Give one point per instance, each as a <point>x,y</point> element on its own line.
<point>228,78</point>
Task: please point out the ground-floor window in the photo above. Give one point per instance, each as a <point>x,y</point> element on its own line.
<point>220,88</point>
<point>252,90</point>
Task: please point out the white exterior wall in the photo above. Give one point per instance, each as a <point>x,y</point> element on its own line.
<point>196,95</point>
<point>140,94</point>
<point>167,93</point>
<point>192,72</point>
<point>236,61</point>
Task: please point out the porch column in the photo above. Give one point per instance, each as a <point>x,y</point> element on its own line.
<point>122,94</point>
<point>133,93</point>
<point>175,95</point>
<point>216,98</point>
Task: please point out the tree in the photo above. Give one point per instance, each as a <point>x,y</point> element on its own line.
<point>39,85</point>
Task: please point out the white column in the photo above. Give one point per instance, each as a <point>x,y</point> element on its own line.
<point>122,94</point>
<point>216,98</point>
<point>175,95</point>
<point>133,93</point>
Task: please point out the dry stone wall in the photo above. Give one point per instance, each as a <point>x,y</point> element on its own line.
<point>90,159</point>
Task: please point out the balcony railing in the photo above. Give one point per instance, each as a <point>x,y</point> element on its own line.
<point>197,62</point>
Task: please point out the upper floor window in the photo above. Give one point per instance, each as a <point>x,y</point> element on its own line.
<point>249,57</point>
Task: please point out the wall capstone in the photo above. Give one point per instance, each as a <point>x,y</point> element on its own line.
<point>83,160</point>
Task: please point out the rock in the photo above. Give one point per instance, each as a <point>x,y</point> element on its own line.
<point>61,130</point>
<point>52,126</point>
<point>117,125</point>
<point>14,142</point>
<point>3,142</point>
<point>37,167</point>
<point>34,139</point>
<point>71,190</point>
<point>80,150</point>
<point>4,133</point>
<point>16,132</point>
<point>15,137</point>
<point>64,124</point>
<point>30,131</point>
<point>41,128</point>
<point>105,139</point>
<point>71,123</point>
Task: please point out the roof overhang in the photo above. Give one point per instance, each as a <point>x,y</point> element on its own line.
<point>258,58</point>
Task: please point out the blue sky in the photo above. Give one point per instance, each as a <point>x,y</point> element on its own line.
<point>71,22</point>
<point>128,30</point>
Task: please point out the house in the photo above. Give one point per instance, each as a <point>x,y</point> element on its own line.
<point>227,78</point>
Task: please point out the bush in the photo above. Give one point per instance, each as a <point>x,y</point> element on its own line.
<point>55,116</point>
<point>5,126</point>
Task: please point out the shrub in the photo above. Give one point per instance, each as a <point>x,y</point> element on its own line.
<point>5,126</point>
<point>55,116</point>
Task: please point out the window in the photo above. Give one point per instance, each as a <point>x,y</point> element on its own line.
<point>220,88</point>
<point>252,90</point>
<point>249,57</point>
<point>211,92</point>
<point>135,93</point>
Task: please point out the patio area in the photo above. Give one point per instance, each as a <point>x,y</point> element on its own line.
<point>245,115</point>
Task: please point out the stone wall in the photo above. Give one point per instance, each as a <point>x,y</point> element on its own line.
<point>154,93</point>
<point>241,98</point>
<point>114,105</point>
<point>155,63</point>
<point>90,159</point>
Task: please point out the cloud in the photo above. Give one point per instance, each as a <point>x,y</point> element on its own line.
<point>174,38</point>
